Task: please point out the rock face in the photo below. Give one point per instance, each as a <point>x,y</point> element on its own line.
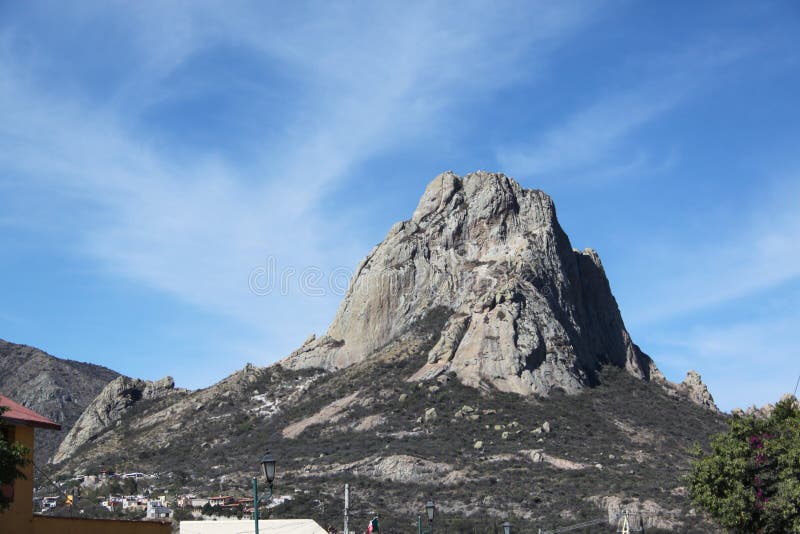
<point>56,388</point>
<point>648,514</point>
<point>528,313</point>
<point>119,396</point>
<point>697,391</point>
<point>764,412</point>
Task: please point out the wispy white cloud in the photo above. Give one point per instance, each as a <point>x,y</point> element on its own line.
<point>757,253</point>
<point>726,305</point>
<point>371,78</point>
<point>593,143</point>
<point>754,361</point>
<point>591,137</point>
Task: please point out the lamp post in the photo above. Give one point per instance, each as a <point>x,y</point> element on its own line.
<point>268,472</point>
<point>430,509</point>
<point>506,528</point>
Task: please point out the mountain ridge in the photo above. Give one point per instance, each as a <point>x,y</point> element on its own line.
<point>58,388</point>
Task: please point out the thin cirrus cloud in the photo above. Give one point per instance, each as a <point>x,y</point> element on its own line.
<point>727,306</point>
<point>732,350</point>
<point>593,143</point>
<point>757,253</point>
<point>129,198</point>
<point>589,137</point>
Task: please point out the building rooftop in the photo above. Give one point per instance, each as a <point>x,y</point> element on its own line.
<point>20,415</point>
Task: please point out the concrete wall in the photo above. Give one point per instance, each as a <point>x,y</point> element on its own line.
<point>265,526</point>
<point>18,518</point>
<point>74,525</point>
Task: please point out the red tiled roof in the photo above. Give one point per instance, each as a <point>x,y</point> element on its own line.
<point>20,415</point>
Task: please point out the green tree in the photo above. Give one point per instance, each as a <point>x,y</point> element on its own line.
<point>750,480</point>
<point>13,457</point>
<point>129,486</point>
<point>182,514</point>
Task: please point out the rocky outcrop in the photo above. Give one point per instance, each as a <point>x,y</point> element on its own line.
<point>57,388</point>
<point>401,468</point>
<point>763,412</point>
<point>539,456</point>
<point>328,415</point>
<point>694,388</point>
<point>119,396</point>
<point>529,313</point>
<point>640,515</point>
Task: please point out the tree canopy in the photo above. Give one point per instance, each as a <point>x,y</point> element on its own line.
<point>750,479</point>
<point>13,457</point>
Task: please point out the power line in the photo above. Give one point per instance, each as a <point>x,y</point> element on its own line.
<point>600,521</point>
<point>55,485</point>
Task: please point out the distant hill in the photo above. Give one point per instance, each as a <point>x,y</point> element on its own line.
<point>477,360</point>
<point>56,388</point>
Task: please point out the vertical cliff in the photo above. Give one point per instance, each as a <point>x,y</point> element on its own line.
<point>529,313</point>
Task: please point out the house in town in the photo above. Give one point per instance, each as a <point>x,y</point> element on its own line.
<point>133,502</point>
<point>185,501</point>
<point>199,502</point>
<point>221,500</point>
<point>157,509</point>
<point>17,424</point>
<point>50,502</point>
<point>112,504</point>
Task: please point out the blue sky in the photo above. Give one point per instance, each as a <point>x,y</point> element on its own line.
<point>156,157</point>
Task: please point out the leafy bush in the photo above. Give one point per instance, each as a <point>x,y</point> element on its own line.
<point>750,479</point>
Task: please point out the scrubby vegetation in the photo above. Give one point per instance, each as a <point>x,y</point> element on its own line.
<point>750,479</point>
<point>631,437</point>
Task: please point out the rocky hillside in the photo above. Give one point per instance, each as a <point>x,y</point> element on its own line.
<point>483,455</point>
<point>111,405</point>
<point>529,313</point>
<point>56,388</point>
<point>477,359</point>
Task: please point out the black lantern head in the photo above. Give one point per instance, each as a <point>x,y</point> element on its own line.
<point>268,467</point>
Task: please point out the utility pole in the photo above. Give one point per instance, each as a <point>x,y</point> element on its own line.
<point>626,527</point>
<point>346,507</point>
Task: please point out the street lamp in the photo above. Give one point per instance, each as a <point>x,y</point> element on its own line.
<point>506,528</point>
<point>268,467</point>
<point>268,472</point>
<point>430,508</point>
